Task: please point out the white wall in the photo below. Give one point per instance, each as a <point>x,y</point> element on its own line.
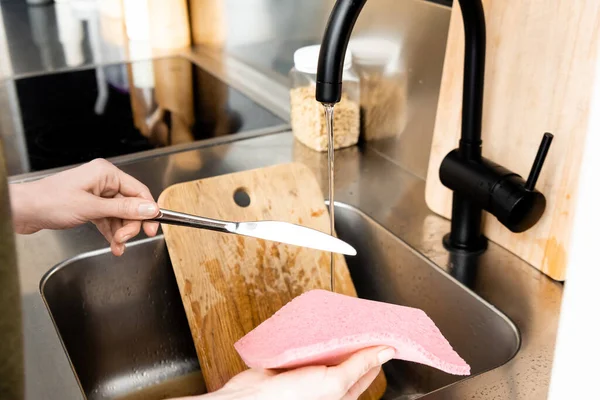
<point>577,354</point>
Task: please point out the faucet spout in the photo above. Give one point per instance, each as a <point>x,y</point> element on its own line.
<point>333,49</point>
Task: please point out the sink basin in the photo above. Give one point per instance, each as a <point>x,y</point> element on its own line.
<point>123,326</point>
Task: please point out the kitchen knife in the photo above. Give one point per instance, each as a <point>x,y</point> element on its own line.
<point>277,231</point>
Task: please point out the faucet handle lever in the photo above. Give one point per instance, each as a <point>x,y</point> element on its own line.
<point>536,168</point>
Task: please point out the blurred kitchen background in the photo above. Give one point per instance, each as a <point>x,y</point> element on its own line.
<point>39,38</point>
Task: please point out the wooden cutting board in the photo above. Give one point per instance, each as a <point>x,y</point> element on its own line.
<point>540,65</point>
<point>230,284</point>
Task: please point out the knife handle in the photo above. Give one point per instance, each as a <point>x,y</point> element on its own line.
<point>192,221</point>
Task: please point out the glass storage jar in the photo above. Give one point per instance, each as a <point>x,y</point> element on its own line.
<point>383,86</point>
<point>307,115</point>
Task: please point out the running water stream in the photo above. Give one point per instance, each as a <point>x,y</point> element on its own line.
<point>330,166</point>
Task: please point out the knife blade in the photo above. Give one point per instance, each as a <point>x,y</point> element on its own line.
<point>293,234</point>
<point>277,231</point>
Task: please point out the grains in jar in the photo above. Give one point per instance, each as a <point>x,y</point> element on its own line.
<point>308,115</point>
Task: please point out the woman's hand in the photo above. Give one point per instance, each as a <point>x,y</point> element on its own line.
<point>97,191</point>
<point>346,381</point>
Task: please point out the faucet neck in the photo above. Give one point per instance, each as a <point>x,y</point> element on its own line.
<point>465,233</point>
<point>473,79</point>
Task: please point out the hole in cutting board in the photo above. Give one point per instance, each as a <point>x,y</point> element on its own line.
<point>241,197</point>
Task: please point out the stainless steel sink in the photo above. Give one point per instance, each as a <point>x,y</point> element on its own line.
<point>122,323</point>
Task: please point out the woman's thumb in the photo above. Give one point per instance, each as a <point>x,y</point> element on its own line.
<point>132,208</point>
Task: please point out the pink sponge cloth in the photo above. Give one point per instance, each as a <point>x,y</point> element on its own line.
<point>325,328</point>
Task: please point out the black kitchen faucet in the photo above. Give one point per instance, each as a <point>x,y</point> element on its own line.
<point>477,183</point>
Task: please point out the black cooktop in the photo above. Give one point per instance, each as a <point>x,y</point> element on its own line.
<point>113,110</point>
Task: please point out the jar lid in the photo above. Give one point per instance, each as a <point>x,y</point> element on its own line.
<point>306,59</point>
<point>374,51</point>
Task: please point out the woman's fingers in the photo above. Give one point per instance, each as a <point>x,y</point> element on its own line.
<point>126,208</point>
<point>353,369</point>
<point>151,228</point>
<point>117,248</point>
<point>129,230</point>
<point>106,180</point>
<point>121,229</point>
<point>129,186</point>
<point>116,193</point>
<point>111,228</point>
<point>363,384</point>
<point>132,187</point>
<point>103,226</point>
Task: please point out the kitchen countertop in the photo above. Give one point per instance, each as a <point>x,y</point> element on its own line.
<point>366,180</point>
